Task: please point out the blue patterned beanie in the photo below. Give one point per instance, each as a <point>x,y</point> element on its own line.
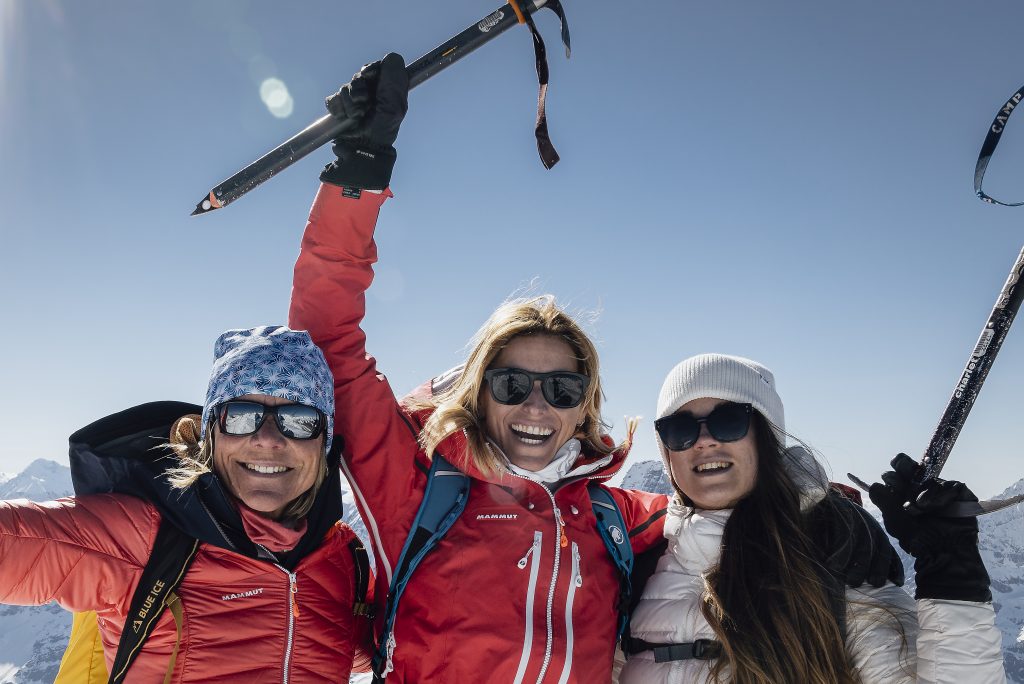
<point>272,360</point>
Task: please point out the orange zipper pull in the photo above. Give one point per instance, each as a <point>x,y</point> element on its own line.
<point>561,528</point>
<point>294,601</point>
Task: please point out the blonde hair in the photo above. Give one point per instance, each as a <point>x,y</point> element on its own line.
<point>458,406</point>
<point>195,459</point>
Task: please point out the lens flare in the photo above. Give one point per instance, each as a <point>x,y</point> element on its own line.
<point>276,97</point>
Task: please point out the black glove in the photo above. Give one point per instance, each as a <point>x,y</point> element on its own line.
<point>853,546</point>
<point>378,98</point>
<point>945,550</point>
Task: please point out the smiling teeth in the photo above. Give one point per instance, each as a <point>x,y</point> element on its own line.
<point>266,470</point>
<point>532,430</point>
<point>714,465</point>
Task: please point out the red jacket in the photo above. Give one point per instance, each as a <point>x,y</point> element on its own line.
<point>505,596</point>
<point>239,621</point>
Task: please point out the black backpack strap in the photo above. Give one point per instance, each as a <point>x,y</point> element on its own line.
<point>361,559</point>
<point>172,554</point>
<point>614,533</point>
<point>701,649</point>
<point>444,499</point>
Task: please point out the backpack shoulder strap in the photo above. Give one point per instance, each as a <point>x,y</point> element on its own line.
<point>444,499</point>
<point>612,528</point>
<point>172,554</point>
<point>360,607</point>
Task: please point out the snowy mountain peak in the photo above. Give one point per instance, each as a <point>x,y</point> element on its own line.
<point>648,476</point>
<point>42,480</point>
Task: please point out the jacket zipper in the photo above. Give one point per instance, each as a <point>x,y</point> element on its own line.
<point>560,541</point>
<point>575,583</point>
<point>293,612</point>
<point>534,550</point>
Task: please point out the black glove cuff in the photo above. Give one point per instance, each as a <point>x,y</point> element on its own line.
<point>360,166</point>
<point>980,593</point>
<point>956,574</point>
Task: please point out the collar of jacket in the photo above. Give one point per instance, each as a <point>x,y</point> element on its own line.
<point>455,448</point>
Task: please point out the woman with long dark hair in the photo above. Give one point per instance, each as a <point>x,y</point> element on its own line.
<point>741,594</point>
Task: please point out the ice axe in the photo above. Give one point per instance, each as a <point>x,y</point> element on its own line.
<point>328,127</point>
<point>989,342</point>
<point>966,392</point>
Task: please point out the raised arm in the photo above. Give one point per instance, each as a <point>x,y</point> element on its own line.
<point>86,554</point>
<point>332,273</point>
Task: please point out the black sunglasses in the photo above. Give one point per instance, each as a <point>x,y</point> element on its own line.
<point>295,421</point>
<point>561,389</point>
<point>727,423</point>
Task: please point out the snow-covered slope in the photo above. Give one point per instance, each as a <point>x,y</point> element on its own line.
<point>1002,548</point>
<point>32,639</point>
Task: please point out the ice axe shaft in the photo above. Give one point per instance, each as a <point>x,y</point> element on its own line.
<point>966,392</point>
<point>328,127</point>
<point>974,373</point>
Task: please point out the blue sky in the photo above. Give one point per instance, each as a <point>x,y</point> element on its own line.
<point>785,181</point>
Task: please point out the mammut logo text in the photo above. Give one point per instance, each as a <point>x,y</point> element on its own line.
<point>244,594</point>
<point>497,516</point>
<point>147,605</point>
<point>1005,112</point>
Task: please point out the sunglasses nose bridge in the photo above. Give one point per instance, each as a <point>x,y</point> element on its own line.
<point>704,433</point>
<point>269,432</point>
<point>535,398</point>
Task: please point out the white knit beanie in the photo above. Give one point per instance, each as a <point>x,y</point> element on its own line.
<point>733,378</point>
<point>729,378</point>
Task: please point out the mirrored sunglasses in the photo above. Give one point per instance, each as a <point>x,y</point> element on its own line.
<point>561,389</point>
<point>295,421</point>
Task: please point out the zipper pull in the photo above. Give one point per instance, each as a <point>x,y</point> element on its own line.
<point>579,569</point>
<point>292,592</point>
<point>561,528</point>
<point>522,561</point>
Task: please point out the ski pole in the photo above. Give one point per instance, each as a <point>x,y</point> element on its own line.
<point>975,372</point>
<point>328,127</point>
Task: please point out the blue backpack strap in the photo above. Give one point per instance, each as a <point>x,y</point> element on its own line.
<point>444,499</point>
<point>614,533</point>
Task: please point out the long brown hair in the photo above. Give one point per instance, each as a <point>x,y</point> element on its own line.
<point>458,407</point>
<point>766,600</point>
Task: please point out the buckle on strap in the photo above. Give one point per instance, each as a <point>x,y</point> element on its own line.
<point>701,649</point>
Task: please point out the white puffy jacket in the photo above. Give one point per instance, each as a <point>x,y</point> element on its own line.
<point>887,639</point>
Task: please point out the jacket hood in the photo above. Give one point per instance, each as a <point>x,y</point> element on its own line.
<point>121,454</point>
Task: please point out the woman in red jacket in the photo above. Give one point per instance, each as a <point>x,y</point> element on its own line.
<point>256,484</point>
<point>521,588</point>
